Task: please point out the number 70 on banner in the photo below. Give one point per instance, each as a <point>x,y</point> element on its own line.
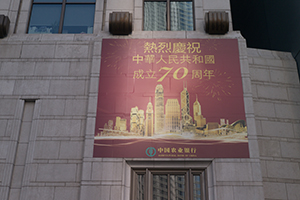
<point>196,74</point>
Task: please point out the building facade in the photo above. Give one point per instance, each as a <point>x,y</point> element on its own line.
<point>49,81</point>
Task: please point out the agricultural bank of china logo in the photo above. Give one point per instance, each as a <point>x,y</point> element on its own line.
<point>150,151</point>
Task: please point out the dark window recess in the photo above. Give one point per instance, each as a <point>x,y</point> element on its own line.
<point>62,16</point>
<point>152,184</point>
<point>168,15</point>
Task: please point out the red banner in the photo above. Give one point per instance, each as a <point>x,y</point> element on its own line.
<point>170,98</point>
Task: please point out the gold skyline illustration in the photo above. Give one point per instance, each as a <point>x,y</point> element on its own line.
<point>172,118</point>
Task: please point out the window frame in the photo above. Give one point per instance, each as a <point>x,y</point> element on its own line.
<point>169,11</point>
<point>189,169</point>
<point>63,4</point>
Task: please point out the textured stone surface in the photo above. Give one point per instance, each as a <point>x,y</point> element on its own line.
<point>46,150</point>
<point>293,191</point>
<point>275,190</point>
<point>277,129</point>
<point>6,87</point>
<point>32,87</point>
<point>233,172</point>
<point>62,128</point>
<point>277,111</point>
<point>216,4</point>
<point>56,173</point>
<point>283,169</point>
<point>7,106</point>
<point>66,193</point>
<point>39,193</point>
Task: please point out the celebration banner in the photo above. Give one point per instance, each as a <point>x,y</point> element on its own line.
<point>170,98</point>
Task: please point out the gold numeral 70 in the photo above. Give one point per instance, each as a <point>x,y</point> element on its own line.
<point>168,69</point>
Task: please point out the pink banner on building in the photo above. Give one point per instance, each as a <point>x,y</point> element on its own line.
<point>170,98</point>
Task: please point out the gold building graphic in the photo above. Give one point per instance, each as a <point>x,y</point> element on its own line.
<point>159,109</point>
<point>199,120</point>
<point>120,124</point>
<point>186,118</point>
<point>137,119</point>
<point>149,120</point>
<point>109,124</point>
<point>172,115</point>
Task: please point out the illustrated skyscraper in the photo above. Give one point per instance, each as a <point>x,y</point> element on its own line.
<point>199,120</point>
<point>141,118</point>
<point>120,124</point>
<point>159,109</point>
<point>149,120</point>
<point>117,126</point>
<point>137,121</point>
<point>172,115</point>
<point>186,118</point>
<point>134,119</point>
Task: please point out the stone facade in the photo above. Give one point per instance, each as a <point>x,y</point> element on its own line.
<point>276,97</point>
<point>48,101</point>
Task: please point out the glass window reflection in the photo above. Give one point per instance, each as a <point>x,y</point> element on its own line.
<point>45,18</point>
<point>155,16</point>
<point>80,1</point>
<point>177,187</point>
<point>62,16</point>
<point>174,15</point>
<point>160,184</point>
<point>182,16</point>
<point>197,187</point>
<point>79,19</point>
<point>160,187</point>
<point>47,1</point>
<point>168,186</point>
<point>141,186</point>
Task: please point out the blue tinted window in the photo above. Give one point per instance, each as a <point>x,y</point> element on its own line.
<point>81,1</point>
<point>45,18</point>
<point>79,18</point>
<point>47,1</point>
<point>62,16</point>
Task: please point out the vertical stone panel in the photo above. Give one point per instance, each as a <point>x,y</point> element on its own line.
<point>276,105</point>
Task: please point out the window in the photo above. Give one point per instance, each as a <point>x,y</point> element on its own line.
<point>169,180</point>
<point>62,16</point>
<point>174,15</point>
